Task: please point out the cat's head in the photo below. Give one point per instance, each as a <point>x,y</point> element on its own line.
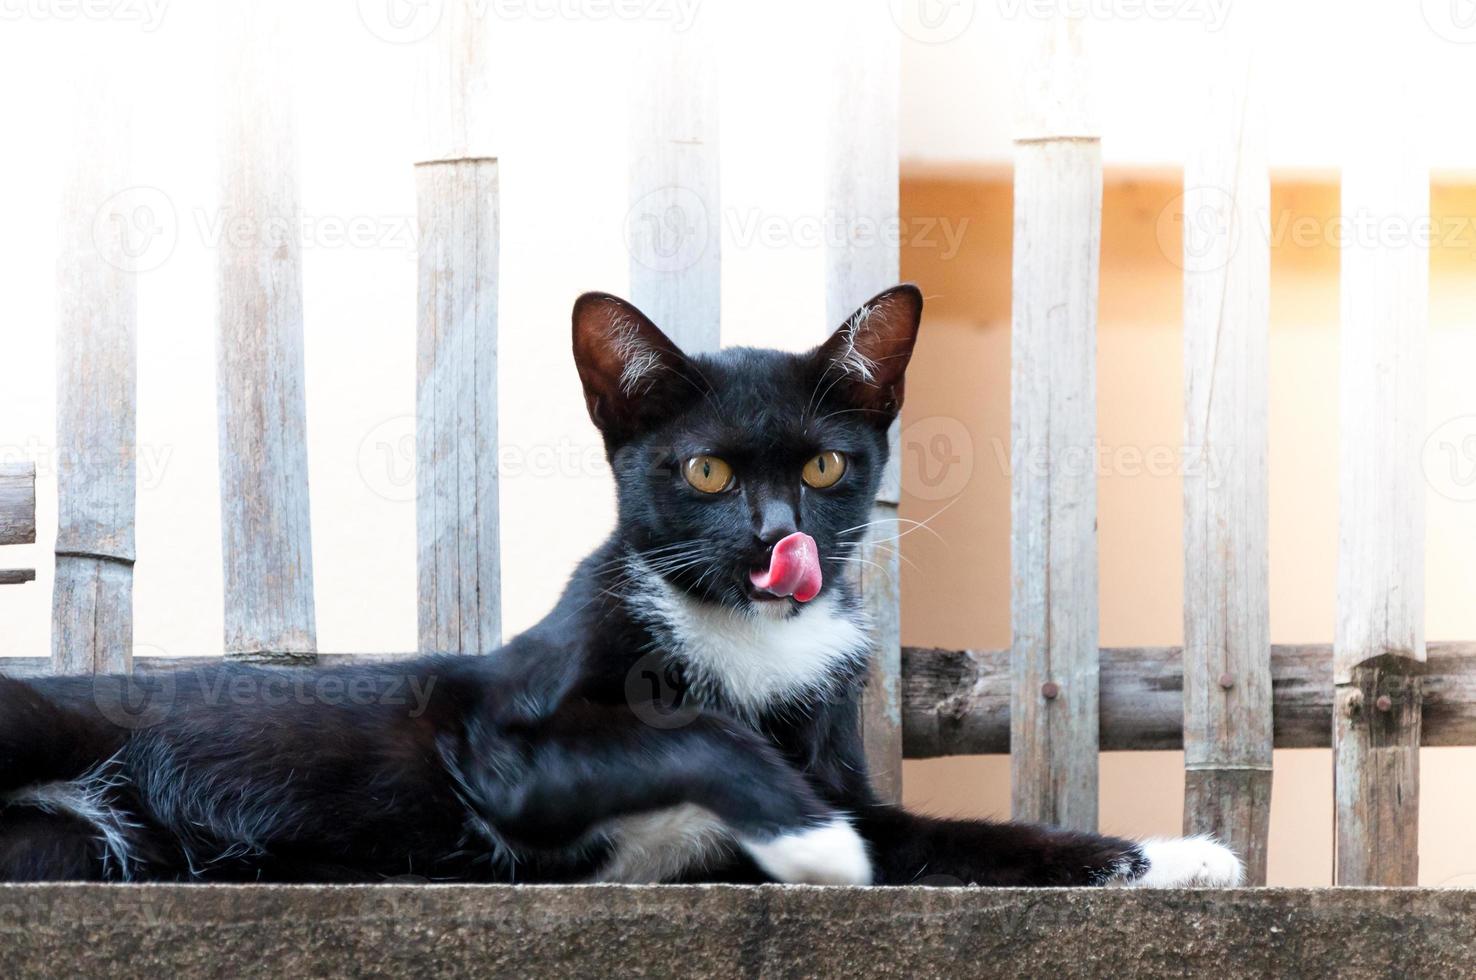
<point>720,457</point>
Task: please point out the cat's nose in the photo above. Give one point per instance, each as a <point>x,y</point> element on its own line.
<point>774,522</point>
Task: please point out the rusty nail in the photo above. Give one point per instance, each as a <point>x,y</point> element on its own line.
<point>1226,681</point>
<point>1050,690</point>
<point>1384,703</point>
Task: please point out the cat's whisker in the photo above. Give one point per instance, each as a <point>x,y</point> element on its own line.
<point>897,552</point>
<point>924,524</point>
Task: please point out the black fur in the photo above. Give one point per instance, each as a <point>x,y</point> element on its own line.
<point>511,767</point>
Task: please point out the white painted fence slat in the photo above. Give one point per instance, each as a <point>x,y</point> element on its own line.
<point>1057,239</point>
<point>673,228</point>
<point>1227,625</point>
<point>96,382</point>
<point>862,197</point>
<point>457,497</point>
<point>1379,644</point>
<point>265,521</point>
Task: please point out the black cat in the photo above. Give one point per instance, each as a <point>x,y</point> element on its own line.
<point>687,712</point>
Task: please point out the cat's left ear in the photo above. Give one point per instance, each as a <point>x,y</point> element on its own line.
<point>632,373</point>
<point>866,358</point>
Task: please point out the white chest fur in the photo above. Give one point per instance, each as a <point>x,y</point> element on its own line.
<point>751,658</point>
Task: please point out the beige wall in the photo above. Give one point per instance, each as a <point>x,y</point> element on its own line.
<point>956,585</point>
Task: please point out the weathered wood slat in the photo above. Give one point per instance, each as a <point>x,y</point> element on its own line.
<point>1379,642</point>
<point>458,528</point>
<point>266,528</point>
<point>457,522</point>
<point>958,702</point>
<point>1053,504</point>
<point>96,395</point>
<point>17,503</point>
<point>674,227</point>
<point>862,194</point>
<point>17,576</point>
<point>1227,608</point>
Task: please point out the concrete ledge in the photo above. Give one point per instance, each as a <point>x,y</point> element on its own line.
<point>175,931</point>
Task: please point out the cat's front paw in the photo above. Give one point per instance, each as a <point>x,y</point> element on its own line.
<point>1182,862</point>
<point>830,854</point>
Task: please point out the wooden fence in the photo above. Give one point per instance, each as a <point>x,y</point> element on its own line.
<point>1054,699</point>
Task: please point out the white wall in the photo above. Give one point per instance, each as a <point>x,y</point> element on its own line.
<point>1149,62</point>
<point>560,131</point>
<point>561,127</point>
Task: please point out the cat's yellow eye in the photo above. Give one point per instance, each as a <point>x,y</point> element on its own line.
<point>708,474</point>
<point>825,469</point>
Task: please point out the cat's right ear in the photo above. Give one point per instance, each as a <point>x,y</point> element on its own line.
<point>632,373</point>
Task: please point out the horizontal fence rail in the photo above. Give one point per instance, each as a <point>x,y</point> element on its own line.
<point>17,515</point>
<point>958,702</point>
<point>17,503</point>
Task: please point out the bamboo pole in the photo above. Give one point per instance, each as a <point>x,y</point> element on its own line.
<point>957,702</point>
<point>1227,624</point>
<point>96,391</point>
<point>673,229</point>
<point>457,494</point>
<point>266,531</point>
<point>1058,207</point>
<point>17,503</point>
<point>862,198</point>
<point>17,516</point>
<point>1379,644</point>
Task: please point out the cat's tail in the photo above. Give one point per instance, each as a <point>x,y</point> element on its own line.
<point>42,741</point>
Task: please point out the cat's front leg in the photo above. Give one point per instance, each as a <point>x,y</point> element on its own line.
<point>600,772</point>
<point>911,849</point>
<point>1180,862</point>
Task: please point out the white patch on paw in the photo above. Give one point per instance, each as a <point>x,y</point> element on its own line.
<point>831,854</point>
<point>1186,862</point>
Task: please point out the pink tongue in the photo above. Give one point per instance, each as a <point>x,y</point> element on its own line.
<point>794,569</point>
